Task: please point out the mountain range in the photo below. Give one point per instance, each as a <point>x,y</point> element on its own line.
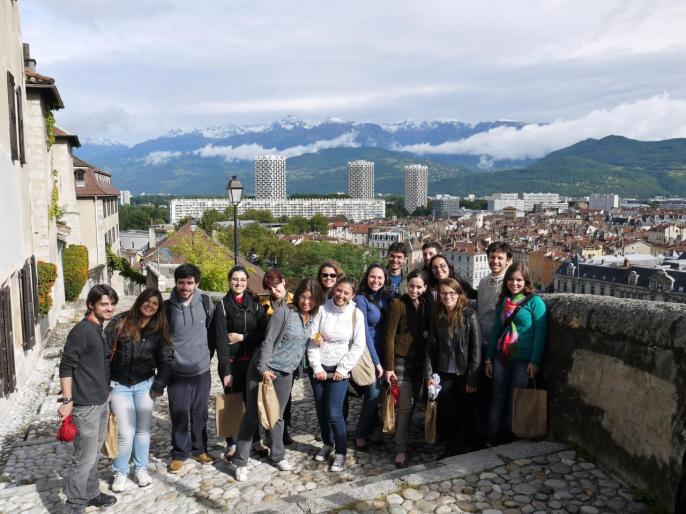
<point>196,162</point>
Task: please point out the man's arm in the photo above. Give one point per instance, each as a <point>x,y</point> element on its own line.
<point>66,408</point>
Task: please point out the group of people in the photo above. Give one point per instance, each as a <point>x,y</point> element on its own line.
<point>426,328</point>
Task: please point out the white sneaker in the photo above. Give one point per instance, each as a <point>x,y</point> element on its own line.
<point>143,478</point>
<point>284,465</point>
<point>338,463</point>
<point>323,453</point>
<point>120,483</point>
<point>241,473</point>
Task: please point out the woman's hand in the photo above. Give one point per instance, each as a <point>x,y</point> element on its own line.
<point>379,371</point>
<point>235,338</point>
<point>155,394</point>
<point>228,380</point>
<point>268,375</point>
<point>65,410</point>
<point>428,382</point>
<point>488,369</point>
<point>321,375</point>
<point>470,389</point>
<point>318,339</point>
<point>531,370</point>
<point>337,377</point>
<point>390,377</point>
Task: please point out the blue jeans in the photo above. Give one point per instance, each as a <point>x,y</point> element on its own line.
<point>370,404</point>
<point>507,375</point>
<point>328,400</point>
<point>132,406</point>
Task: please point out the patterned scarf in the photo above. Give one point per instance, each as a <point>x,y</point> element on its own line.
<point>508,339</point>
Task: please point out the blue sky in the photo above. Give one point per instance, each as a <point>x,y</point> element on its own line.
<point>132,70</point>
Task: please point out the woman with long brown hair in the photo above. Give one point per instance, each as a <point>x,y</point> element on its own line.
<point>328,275</point>
<point>454,353</point>
<point>140,354</point>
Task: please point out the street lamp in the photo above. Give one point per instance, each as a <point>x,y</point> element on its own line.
<point>194,227</point>
<point>234,190</point>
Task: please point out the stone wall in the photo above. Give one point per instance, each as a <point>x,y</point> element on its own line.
<point>615,370</point>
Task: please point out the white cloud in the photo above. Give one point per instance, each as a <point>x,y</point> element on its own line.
<point>655,118</point>
<point>248,152</point>
<point>161,157</point>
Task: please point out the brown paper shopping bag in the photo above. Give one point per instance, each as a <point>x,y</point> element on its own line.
<point>388,412</point>
<point>430,421</point>
<point>109,447</point>
<point>268,404</point>
<point>529,413</point>
<point>229,410</point>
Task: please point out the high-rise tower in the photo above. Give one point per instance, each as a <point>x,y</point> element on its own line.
<point>416,186</point>
<point>270,177</point>
<point>361,180</point>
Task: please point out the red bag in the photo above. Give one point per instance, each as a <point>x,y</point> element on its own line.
<point>67,431</point>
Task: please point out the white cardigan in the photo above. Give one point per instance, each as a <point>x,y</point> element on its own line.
<point>335,325</point>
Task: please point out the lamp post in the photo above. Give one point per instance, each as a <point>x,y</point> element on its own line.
<point>234,190</point>
<point>194,227</point>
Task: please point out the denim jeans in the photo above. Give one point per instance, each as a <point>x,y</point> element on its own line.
<point>328,400</point>
<point>132,406</point>
<point>368,413</point>
<point>83,482</point>
<point>507,375</point>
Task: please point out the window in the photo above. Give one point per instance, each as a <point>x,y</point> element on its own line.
<point>11,101</point>
<point>79,178</point>
<point>28,313</point>
<point>8,377</point>
<point>20,127</point>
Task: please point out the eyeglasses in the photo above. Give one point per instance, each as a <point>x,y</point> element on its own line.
<point>439,266</point>
<point>451,294</point>
<point>328,275</point>
<point>306,298</point>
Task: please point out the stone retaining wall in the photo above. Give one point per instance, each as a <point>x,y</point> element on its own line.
<point>615,370</point>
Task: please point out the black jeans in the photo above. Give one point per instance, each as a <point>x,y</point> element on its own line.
<point>188,398</point>
<point>455,410</point>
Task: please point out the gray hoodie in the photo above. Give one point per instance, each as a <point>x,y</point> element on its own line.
<point>191,349</point>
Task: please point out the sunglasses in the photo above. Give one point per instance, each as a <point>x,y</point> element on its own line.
<point>328,275</point>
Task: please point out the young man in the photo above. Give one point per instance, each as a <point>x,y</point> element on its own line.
<point>189,384</point>
<point>84,379</point>
<point>499,255</point>
<point>396,259</point>
<point>429,249</point>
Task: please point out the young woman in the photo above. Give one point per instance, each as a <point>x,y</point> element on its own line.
<point>140,355</point>
<point>516,344</point>
<point>337,344</point>
<point>454,353</point>
<point>240,323</point>
<point>440,269</point>
<point>330,272</point>
<point>372,300</point>
<point>406,335</point>
<point>277,285</point>
<point>278,356</point>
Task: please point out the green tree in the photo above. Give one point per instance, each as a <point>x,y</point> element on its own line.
<point>319,223</point>
<point>296,225</point>
<point>258,215</point>
<point>212,216</point>
<point>212,259</point>
<point>478,204</point>
<point>395,207</point>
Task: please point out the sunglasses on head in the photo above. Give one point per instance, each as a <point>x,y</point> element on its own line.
<point>328,275</point>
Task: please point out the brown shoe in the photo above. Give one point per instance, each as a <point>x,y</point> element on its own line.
<point>175,466</point>
<point>203,458</point>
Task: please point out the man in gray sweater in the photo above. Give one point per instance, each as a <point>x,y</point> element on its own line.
<point>189,312</point>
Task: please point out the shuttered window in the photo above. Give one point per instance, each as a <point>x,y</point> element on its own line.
<point>20,127</point>
<point>11,102</point>
<point>8,378</point>
<point>28,317</point>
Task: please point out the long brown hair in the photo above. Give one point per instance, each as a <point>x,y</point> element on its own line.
<point>130,323</point>
<point>454,316</point>
<point>511,270</point>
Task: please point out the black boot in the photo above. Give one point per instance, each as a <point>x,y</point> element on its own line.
<point>102,500</point>
<point>287,439</point>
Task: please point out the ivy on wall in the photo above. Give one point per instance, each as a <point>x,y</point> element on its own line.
<point>50,127</point>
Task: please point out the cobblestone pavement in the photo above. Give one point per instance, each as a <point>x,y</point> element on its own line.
<point>524,477</point>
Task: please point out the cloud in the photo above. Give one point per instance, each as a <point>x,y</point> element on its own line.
<point>248,152</point>
<point>654,118</point>
<point>161,157</point>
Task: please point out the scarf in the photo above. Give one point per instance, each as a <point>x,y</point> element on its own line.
<point>508,339</point>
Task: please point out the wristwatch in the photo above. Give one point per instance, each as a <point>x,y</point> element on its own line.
<point>64,400</point>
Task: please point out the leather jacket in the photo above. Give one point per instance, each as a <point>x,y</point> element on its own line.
<point>463,348</point>
<point>133,363</point>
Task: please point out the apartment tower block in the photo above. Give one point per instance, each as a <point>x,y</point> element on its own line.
<point>416,186</point>
<point>270,177</point>
<point>361,180</point>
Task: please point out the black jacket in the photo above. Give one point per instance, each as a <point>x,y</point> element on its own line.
<point>464,347</point>
<point>248,319</point>
<point>133,363</point>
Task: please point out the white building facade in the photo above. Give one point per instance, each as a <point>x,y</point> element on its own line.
<point>416,186</point>
<point>444,206</point>
<point>523,201</point>
<point>270,177</point>
<point>469,264</point>
<point>603,202</point>
<point>361,180</point>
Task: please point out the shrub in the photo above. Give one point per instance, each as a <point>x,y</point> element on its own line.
<point>47,274</point>
<point>75,263</point>
<point>114,262</point>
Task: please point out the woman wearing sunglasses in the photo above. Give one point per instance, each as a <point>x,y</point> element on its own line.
<point>330,272</point>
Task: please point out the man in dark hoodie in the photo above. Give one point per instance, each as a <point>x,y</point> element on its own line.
<point>85,384</point>
<point>189,384</point>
